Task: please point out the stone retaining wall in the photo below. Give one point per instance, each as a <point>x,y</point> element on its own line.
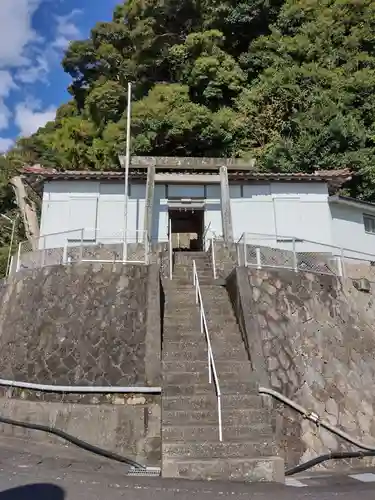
<point>85,324</point>
<point>310,337</point>
<point>93,324</point>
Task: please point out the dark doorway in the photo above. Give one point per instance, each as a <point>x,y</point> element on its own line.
<point>187,227</point>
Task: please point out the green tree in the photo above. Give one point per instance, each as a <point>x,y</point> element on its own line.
<point>290,82</point>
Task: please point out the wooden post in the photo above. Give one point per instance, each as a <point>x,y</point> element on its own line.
<point>149,201</point>
<point>226,213</point>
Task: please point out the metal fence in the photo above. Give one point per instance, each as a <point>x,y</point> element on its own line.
<point>271,251</point>
<point>83,245</point>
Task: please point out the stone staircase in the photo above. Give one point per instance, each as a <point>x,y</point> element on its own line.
<point>190,432</point>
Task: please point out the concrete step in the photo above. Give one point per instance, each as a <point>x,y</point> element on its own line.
<point>187,314</point>
<point>184,301</point>
<point>191,254</point>
<point>209,402</point>
<point>249,449</point>
<point>188,260</point>
<point>200,353</point>
<point>226,331</point>
<point>171,286</point>
<point>241,368</point>
<point>203,433</point>
<point>173,333</point>
<point>214,315</point>
<point>206,272</point>
<point>262,469</point>
<point>199,344</point>
<point>200,265</point>
<point>229,380</point>
<point>230,417</point>
<point>189,388</point>
<point>179,282</point>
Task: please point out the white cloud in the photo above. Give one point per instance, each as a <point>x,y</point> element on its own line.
<point>6,83</point>
<point>38,71</point>
<point>26,57</point>
<point>22,48</point>
<point>6,86</point>
<point>16,32</point>
<point>5,115</point>
<point>5,144</point>
<point>29,117</point>
<point>66,30</point>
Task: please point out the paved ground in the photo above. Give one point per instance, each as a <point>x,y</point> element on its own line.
<point>42,472</point>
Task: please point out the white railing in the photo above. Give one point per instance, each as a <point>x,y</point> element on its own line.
<point>213,257</point>
<point>84,245</point>
<point>48,250</point>
<point>205,232</point>
<point>299,254</point>
<point>170,253</point>
<point>212,373</point>
<point>119,247</point>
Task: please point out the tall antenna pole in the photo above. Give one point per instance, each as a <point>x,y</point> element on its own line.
<point>127,163</point>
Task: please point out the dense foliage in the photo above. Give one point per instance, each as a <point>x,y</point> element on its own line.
<point>288,82</point>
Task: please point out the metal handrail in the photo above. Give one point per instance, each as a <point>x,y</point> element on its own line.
<point>213,257</point>
<point>79,243</point>
<point>315,418</point>
<point>85,389</point>
<point>170,252</point>
<point>205,232</point>
<point>212,372</point>
<point>341,255</point>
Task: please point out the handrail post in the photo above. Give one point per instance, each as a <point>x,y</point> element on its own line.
<point>65,253</point>
<point>18,264</point>
<point>213,257</point>
<point>220,418</point>
<point>170,250</point>
<point>258,257</point>
<point>295,258</point>
<point>342,263</point>
<point>81,247</point>
<point>145,244</point>
<point>149,249</point>
<point>244,250</point>
<point>10,265</point>
<point>124,248</point>
<point>43,252</point>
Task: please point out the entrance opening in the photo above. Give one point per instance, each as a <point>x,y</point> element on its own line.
<point>187,227</point>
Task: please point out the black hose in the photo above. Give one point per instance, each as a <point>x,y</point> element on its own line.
<point>74,440</point>
<point>335,455</point>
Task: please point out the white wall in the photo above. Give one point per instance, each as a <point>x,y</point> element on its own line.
<point>160,217</point>
<point>252,209</point>
<point>348,229</point>
<point>98,207</point>
<point>282,209</point>
<point>70,205</point>
<point>212,215</point>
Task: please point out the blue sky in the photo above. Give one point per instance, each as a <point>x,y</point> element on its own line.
<point>33,36</point>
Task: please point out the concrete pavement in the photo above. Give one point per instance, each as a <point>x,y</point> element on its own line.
<point>64,473</point>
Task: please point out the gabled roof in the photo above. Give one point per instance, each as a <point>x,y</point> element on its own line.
<point>333,177</point>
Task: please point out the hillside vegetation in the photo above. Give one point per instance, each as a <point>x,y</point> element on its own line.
<point>290,83</point>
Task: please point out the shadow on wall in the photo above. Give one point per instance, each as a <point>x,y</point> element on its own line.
<point>311,338</point>
<point>34,491</point>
